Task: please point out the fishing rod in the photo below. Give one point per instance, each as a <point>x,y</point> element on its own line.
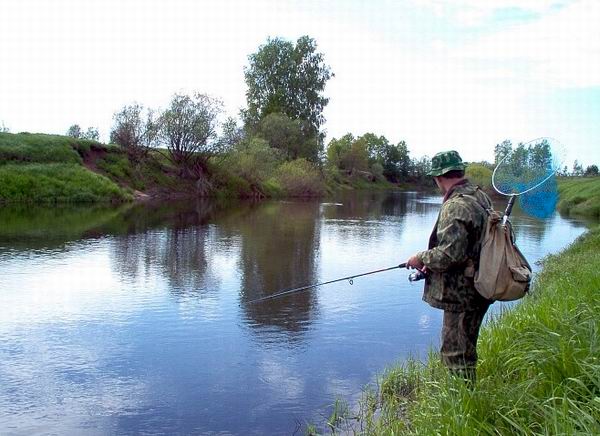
<point>417,275</point>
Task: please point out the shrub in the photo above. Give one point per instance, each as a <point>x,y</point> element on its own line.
<point>253,161</point>
<point>300,178</point>
<point>377,171</point>
<point>479,175</point>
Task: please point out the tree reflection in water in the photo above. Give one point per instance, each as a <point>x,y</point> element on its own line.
<point>280,244</point>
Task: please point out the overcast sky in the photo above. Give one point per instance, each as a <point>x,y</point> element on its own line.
<point>440,74</point>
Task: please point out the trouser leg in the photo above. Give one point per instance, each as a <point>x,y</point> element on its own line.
<point>460,331</point>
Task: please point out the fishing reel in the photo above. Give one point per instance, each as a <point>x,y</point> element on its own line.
<point>416,276</point>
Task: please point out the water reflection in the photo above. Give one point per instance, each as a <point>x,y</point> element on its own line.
<point>179,251</point>
<point>138,318</point>
<point>279,248</point>
<point>27,227</point>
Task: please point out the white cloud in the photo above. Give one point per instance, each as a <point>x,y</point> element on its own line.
<point>472,13</point>
<point>560,50</point>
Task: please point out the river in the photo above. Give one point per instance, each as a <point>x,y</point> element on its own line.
<point>138,319</point>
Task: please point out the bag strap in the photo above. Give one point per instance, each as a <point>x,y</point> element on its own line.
<point>487,210</point>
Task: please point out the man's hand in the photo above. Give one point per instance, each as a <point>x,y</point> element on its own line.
<point>414,262</point>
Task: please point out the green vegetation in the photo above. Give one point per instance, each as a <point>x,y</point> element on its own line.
<point>38,168</point>
<point>56,183</point>
<point>26,223</point>
<point>289,79</point>
<point>374,158</point>
<point>279,151</point>
<point>299,178</point>
<point>579,196</point>
<point>479,174</point>
<point>539,371</point>
<point>40,148</point>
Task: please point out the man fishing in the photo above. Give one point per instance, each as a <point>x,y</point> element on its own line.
<point>451,260</point>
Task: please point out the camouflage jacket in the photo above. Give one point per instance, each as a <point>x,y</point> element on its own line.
<point>454,247</point>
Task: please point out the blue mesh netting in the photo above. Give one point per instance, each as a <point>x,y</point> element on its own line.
<point>530,169</point>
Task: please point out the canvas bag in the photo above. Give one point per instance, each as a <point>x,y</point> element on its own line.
<point>503,274</point>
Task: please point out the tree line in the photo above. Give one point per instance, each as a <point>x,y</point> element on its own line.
<point>281,123</point>
<point>537,155</point>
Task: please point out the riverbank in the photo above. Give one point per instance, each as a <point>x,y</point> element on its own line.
<point>42,169</point>
<point>37,168</point>
<point>579,196</point>
<point>539,371</point>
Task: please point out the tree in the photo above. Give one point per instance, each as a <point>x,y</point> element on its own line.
<point>502,150</point>
<point>564,172</point>
<point>187,128</point>
<point>591,171</point>
<point>420,168</point>
<point>290,136</point>
<point>134,129</point>
<point>74,131</point>
<point>540,155</point>
<point>370,151</point>
<point>92,134</point>
<point>337,149</point>
<point>577,169</point>
<point>231,134</point>
<point>287,78</point>
<point>348,153</point>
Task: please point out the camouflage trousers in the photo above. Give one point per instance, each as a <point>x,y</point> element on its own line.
<point>459,341</point>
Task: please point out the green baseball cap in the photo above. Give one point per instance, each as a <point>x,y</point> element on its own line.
<point>445,161</point>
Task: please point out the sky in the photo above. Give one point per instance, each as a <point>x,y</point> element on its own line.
<point>439,74</point>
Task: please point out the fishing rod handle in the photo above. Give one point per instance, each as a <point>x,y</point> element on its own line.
<point>509,206</point>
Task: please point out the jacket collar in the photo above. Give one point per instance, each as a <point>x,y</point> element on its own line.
<point>456,187</point>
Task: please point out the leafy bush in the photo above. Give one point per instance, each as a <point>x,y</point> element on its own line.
<point>253,161</point>
<point>479,175</point>
<point>56,182</point>
<point>377,171</point>
<point>300,178</point>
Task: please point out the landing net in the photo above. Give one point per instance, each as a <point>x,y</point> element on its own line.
<point>528,171</point>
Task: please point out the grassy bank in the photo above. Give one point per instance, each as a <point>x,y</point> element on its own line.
<point>539,370</point>
<point>38,168</point>
<point>56,183</point>
<point>579,196</point>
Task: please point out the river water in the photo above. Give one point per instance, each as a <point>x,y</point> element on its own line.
<point>137,320</point>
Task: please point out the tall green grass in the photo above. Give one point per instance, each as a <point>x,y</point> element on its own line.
<point>42,148</point>
<point>56,183</point>
<point>579,196</point>
<point>539,370</point>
